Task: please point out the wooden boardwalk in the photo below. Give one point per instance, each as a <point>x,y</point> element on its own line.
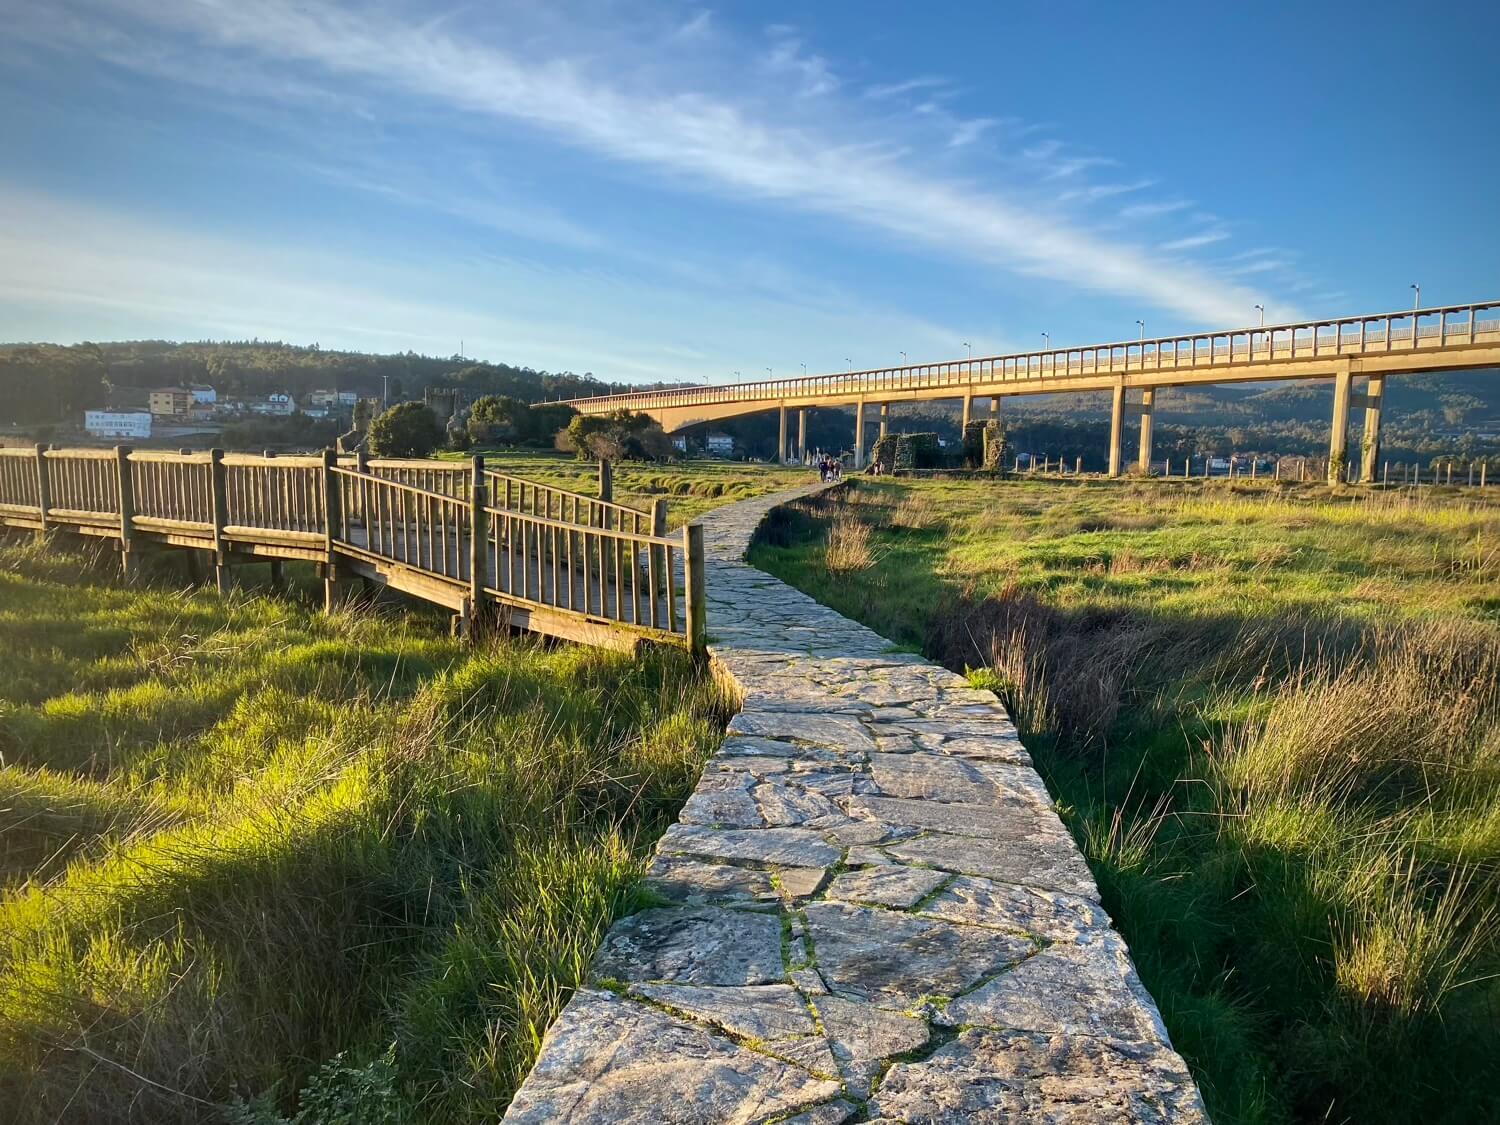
<point>490,547</point>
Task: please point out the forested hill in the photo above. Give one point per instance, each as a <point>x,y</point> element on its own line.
<point>48,383</point>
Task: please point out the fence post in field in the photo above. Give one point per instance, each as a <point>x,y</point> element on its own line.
<point>606,480</point>
<point>219,497</point>
<point>697,607</point>
<point>43,485</point>
<point>1483,465</point>
<point>127,510</point>
<point>1471,474</point>
<point>1077,466</point>
<point>478,544</point>
<point>330,529</point>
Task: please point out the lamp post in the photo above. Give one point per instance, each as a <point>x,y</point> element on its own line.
<point>1262,310</point>
<point>804,371</point>
<point>1047,336</point>
<point>968,350</point>
<point>1142,323</point>
<point>768,373</point>
<point>1416,302</point>
<point>848,364</point>
<point>903,359</point>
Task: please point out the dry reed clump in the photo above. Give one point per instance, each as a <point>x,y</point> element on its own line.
<point>1410,714</point>
<point>916,512</point>
<point>849,547</point>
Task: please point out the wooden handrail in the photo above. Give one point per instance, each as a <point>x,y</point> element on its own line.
<point>611,564</point>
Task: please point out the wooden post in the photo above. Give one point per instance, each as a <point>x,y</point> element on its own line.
<point>697,606</point>
<point>126,486</point>
<point>1077,466</point>
<point>606,480</point>
<point>479,549</point>
<point>1471,474</point>
<point>1483,466</point>
<point>43,485</point>
<point>1385,473</point>
<point>219,502</point>
<point>656,572</point>
<point>330,531</point>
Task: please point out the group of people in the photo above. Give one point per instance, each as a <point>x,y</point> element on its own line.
<point>830,468</point>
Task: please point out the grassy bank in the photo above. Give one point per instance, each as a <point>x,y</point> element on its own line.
<point>689,487</point>
<point>1272,719</point>
<point>251,853</point>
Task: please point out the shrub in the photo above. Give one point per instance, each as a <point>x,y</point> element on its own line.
<point>408,429</point>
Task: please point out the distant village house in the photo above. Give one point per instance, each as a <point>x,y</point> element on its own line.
<point>117,423</point>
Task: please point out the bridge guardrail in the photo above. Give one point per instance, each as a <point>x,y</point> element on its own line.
<point>1376,334</point>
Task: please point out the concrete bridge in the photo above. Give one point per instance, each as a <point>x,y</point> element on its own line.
<point>1365,348</point>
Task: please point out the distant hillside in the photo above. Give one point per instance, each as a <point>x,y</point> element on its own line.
<point>46,384</point>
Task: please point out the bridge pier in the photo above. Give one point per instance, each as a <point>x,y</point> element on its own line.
<point>1148,404</point>
<point>968,413</point>
<point>781,435</point>
<point>1338,438</point>
<point>1116,428</point>
<point>859,435</point>
<point>995,409</point>
<point>1373,398</point>
<point>885,418</point>
<point>802,435</point>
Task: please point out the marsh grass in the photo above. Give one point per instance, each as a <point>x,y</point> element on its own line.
<point>690,488</point>
<point>1271,716</point>
<point>248,850</point>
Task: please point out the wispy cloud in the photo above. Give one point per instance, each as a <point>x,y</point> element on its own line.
<point>910,85</point>
<point>829,162</point>
<point>1194,241</point>
<point>1154,210</point>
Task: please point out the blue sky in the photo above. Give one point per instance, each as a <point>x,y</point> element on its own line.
<point>674,191</point>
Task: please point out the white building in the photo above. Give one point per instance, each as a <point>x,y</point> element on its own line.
<point>278,403</point>
<point>117,423</point>
<point>204,395</point>
<point>333,398</point>
<point>719,445</point>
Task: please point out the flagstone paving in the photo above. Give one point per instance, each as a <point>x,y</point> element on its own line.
<point>870,911</point>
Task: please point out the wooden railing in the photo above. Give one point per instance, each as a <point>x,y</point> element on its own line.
<point>453,532</point>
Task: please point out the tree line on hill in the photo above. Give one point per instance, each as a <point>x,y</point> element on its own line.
<point>50,384</point>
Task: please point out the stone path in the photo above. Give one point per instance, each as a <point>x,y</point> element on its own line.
<point>869,911</point>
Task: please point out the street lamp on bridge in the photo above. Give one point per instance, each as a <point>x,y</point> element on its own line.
<point>1048,337</point>
<point>903,359</point>
<point>1416,302</point>
<point>1142,323</point>
<point>1262,310</point>
<point>968,350</point>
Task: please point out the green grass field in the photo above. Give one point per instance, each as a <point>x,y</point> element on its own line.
<point>1271,717</point>
<point>689,487</point>
<point>254,856</point>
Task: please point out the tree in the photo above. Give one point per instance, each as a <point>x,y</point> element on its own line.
<point>497,418</point>
<point>407,429</point>
<point>619,435</point>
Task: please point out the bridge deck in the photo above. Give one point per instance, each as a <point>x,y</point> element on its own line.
<point>1413,341</point>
